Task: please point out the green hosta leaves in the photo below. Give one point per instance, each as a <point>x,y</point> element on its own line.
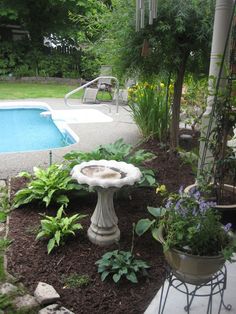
<point>120,264</point>
<point>155,233</point>
<point>47,185</point>
<point>58,228</point>
<point>140,156</point>
<point>143,225</point>
<point>148,178</point>
<point>156,211</point>
<point>132,277</point>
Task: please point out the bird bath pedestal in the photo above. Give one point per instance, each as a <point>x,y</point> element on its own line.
<point>106,176</point>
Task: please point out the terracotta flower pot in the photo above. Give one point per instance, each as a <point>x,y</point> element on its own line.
<point>189,268</point>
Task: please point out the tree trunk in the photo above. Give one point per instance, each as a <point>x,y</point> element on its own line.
<point>174,126</point>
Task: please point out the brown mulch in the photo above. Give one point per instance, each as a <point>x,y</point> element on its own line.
<point>29,262</point>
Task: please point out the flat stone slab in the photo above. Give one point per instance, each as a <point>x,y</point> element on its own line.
<point>7,288</point>
<point>27,302</point>
<point>54,309</point>
<point>45,293</point>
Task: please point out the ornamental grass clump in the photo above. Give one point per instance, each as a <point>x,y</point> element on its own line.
<point>190,224</point>
<point>150,109</point>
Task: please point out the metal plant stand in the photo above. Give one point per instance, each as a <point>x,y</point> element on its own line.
<point>216,285</point>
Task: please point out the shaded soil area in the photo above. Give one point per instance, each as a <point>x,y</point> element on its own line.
<point>29,262</point>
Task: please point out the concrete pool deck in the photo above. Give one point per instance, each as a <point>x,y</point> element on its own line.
<point>90,136</point>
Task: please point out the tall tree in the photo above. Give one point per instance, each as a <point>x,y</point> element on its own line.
<point>45,17</point>
<point>179,40</point>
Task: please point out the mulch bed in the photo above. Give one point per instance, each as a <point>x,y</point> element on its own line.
<point>29,262</point>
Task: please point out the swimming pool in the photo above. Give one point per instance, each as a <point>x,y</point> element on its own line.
<point>26,128</point>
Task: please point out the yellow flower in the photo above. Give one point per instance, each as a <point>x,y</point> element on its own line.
<point>171,88</point>
<point>161,189</point>
<point>162,85</point>
<point>130,91</point>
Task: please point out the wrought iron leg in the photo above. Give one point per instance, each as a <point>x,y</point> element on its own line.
<point>161,308</point>
<point>189,303</point>
<point>228,307</point>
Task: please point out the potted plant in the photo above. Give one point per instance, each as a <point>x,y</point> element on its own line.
<point>196,244</point>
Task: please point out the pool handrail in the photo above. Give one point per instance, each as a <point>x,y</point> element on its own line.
<point>91,82</point>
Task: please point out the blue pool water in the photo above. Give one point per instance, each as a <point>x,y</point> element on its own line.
<point>25,130</point>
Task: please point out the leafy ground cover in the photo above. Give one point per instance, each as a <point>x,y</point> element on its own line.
<point>35,90</point>
<point>29,261</point>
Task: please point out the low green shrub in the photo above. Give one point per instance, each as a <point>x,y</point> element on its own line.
<point>46,185</point>
<point>5,301</point>
<point>150,109</point>
<point>75,281</point>
<point>58,228</point>
<point>189,158</point>
<point>4,243</point>
<point>121,264</point>
<point>194,100</point>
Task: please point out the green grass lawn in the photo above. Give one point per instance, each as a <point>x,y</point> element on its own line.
<point>36,90</point>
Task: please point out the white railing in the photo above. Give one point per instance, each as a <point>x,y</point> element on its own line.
<point>116,94</point>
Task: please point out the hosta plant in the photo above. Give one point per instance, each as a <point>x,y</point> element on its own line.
<point>121,264</point>
<point>58,228</point>
<point>47,186</point>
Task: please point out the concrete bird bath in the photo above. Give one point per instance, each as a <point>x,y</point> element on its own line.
<point>106,176</point>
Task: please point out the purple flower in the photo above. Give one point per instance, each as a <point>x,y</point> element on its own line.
<point>168,204</point>
<point>193,191</point>
<point>227,227</point>
<point>197,195</point>
<point>203,206</point>
<point>178,205</point>
<point>194,211</point>
<point>211,204</point>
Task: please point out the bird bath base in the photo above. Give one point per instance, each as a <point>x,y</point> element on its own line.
<point>103,230</point>
<point>105,176</point>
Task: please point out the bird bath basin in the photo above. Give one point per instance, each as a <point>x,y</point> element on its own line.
<point>106,176</point>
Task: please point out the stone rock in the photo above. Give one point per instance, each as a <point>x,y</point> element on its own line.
<point>54,309</point>
<point>27,302</point>
<point>7,288</point>
<point>45,293</point>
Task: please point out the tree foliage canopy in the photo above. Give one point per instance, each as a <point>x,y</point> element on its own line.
<point>182,27</point>
<point>178,40</point>
<point>58,17</point>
